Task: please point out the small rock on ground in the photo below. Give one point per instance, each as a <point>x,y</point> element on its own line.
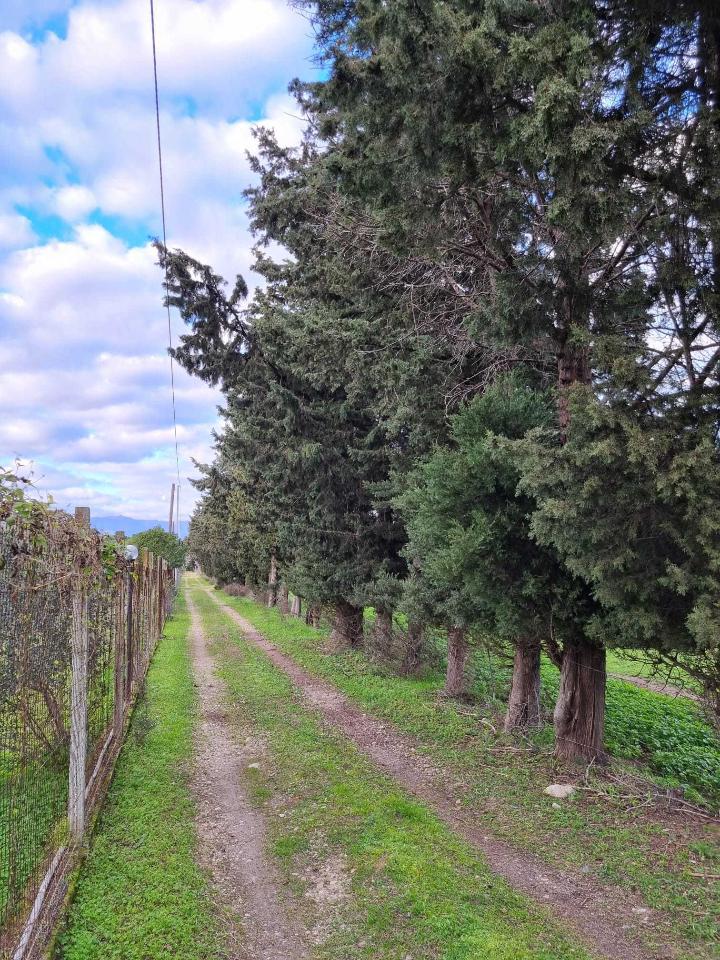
<point>560,790</point>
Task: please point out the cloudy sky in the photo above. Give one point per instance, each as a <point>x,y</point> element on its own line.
<point>84,375</point>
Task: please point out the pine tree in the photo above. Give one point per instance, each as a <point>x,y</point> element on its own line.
<point>225,537</point>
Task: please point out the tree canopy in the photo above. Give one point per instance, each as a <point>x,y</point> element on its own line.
<point>162,543</point>
<point>479,381</point>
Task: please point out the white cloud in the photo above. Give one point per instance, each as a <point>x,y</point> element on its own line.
<point>15,231</point>
<point>84,380</point>
<point>74,202</point>
<point>220,53</point>
<point>75,295</point>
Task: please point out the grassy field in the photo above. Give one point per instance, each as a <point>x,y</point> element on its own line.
<point>606,830</point>
<point>403,885</point>
<point>624,663</point>
<point>140,895</point>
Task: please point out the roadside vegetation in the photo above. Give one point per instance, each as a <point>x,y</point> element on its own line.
<point>616,826</point>
<point>140,894</point>
<point>402,884</point>
<point>162,543</point>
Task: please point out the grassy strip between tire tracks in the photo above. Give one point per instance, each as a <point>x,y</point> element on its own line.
<point>376,873</point>
<point>672,861</point>
<point>140,895</point>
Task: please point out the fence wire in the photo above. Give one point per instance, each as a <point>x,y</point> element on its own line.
<point>67,686</point>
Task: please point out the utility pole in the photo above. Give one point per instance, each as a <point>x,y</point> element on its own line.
<point>176,574</point>
<point>172,502</point>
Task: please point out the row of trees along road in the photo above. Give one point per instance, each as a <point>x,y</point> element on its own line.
<point>479,384</point>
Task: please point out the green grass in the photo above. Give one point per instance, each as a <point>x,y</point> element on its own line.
<point>33,804</point>
<point>623,662</point>
<point>34,786</point>
<point>619,662</point>
<point>140,895</point>
<point>667,734</point>
<point>618,840</point>
<point>413,888</point>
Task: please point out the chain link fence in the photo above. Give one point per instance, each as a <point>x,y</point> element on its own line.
<point>78,626</point>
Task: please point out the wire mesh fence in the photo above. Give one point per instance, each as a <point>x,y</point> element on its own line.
<point>78,626</point>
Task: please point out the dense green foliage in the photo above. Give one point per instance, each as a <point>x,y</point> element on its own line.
<point>488,194</point>
<point>480,565</point>
<point>162,543</point>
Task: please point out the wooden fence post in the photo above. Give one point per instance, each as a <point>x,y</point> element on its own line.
<point>157,573</point>
<point>120,649</point>
<point>129,653</point>
<point>78,700</point>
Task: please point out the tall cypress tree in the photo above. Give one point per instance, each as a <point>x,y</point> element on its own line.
<point>553,159</point>
<point>479,568</point>
<point>303,428</point>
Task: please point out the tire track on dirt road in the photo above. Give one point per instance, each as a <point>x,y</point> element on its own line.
<point>612,922</point>
<point>231,830</point>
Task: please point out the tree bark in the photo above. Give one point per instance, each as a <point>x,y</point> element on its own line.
<point>456,679</point>
<point>573,367</point>
<point>283,600</point>
<point>272,582</point>
<point>295,606</point>
<point>412,654</point>
<point>347,631</point>
<point>312,615</point>
<point>383,631</point>
<point>580,708</point>
<point>523,709</point>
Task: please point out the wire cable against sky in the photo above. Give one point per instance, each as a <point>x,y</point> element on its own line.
<point>164,238</point>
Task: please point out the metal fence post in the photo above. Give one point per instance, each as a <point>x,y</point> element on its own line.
<point>78,700</point>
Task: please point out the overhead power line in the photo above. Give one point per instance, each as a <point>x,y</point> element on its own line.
<point>164,239</point>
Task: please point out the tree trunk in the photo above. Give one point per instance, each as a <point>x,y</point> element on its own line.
<point>580,708</point>
<point>456,679</point>
<point>573,367</point>
<point>383,631</point>
<point>412,655</point>
<point>295,606</point>
<point>283,600</point>
<point>272,582</point>
<point>347,631</point>
<point>523,709</point>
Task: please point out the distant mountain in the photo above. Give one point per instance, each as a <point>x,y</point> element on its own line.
<point>130,526</point>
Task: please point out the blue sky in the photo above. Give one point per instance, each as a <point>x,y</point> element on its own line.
<point>84,377</point>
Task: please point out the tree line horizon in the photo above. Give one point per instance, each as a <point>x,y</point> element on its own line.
<point>479,384</point>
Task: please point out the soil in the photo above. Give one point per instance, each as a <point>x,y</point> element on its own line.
<point>610,921</point>
<point>231,831</point>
